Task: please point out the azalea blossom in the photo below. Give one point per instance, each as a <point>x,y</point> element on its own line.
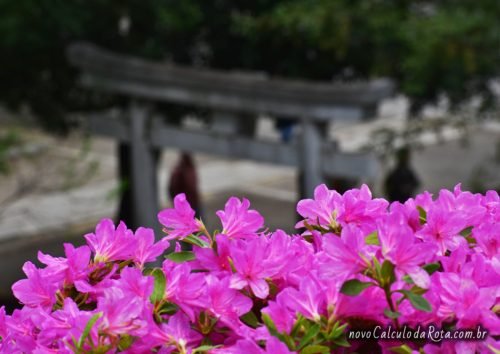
<point>146,250</point>
<point>238,221</point>
<point>179,221</point>
<point>110,244</point>
<point>359,263</point>
<point>407,253</point>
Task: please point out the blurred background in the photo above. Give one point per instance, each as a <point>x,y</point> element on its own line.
<point>440,125</point>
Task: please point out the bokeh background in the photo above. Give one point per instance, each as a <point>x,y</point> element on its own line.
<point>57,179</point>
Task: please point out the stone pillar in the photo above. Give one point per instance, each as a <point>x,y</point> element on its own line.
<point>144,184</point>
<point>310,158</point>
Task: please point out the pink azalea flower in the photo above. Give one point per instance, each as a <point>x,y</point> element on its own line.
<point>358,208</point>
<point>236,272</point>
<point>74,267</point>
<point>409,212</point>
<point>464,203</point>
<point>424,200</point>
<point>3,326</point>
<point>177,333</point>
<point>39,289</point>
<point>146,250</point>
<point>443,228</point>
<point>64,324</point>
<point>252,266</point>
<point>455,261</point>
<point>275,346</point>
<point>241,346</point>
<point>216,262</point>
<point>398,245</point>
<point>282,317</point>
<point>238,221</point>
<point>462,299</point>
<point>309,300</point>
<point>93,288</point>
<point>300,260</point>
<point>110,244</point>
<point>225,303</point>
<point>121,314</point>
<point>134,284</point>
<point>320,210</point>
<point>346,255</point>
<point>463,347</point>
<point>482,271</point>
<point>180,221</point>
<point>21,328</point>
<point>281,253</point>
<point>488,238</point>
<point>184,288</point>
<point>329,208</point>
<point>369,305</point>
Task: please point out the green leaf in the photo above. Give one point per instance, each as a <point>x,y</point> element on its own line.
<point>387,272</point>
<point>160,283</point>
<point>496,309</point>
<point>466,232</point>
<point>269,324</point>
<point>418,290</point>
<point>87,329</point>
<point>402,349</point>
<point>310,334</point>
<point>408,279</point>
<point>372,239</point>
<point>205,348</point>
<point>337,330</point>
<point>422,215</point>
<point>417,301</point>
<point>391,314</point>
<point>297,325</point>
<point>168,308</point>
<point>125,342</point>
<point>315,349</point>
<point>274,331</point>
<point>195,240</point>
<point>250,319</point>
<point>431,267</point>
<point>377,267</point>
<point>342,342</point>
<point>354,286</point>
<point>180,257</point>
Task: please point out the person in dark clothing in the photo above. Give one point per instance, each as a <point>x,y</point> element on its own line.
<point>185,180</point>
<point>402,182</point>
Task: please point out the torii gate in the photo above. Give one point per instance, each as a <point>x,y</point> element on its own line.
<point>236,101</point>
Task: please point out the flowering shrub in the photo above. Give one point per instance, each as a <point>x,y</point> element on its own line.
<point>359,263</point>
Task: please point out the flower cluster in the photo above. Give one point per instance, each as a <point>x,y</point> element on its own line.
<point>357,263</point>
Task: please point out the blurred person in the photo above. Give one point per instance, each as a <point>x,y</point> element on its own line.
<point>184,179</point>
<point>402,182</point>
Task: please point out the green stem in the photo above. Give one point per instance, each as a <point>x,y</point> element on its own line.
<point>387,292</point>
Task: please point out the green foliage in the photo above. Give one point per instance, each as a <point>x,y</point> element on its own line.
<point>160,284</point>
<point>180,257</point>
<point>372,239</point>
<point>417,301</point>
<point>354,286</point>
<point>429,48</point>
<point>86,332</point>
